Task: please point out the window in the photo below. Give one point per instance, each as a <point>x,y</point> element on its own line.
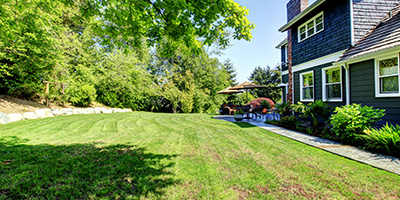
<point>311,27</point>
<point>332,84</point>
<point>307,86</point>
<point>387,77</point>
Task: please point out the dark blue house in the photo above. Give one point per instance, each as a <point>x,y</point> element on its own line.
<point>343,52</point>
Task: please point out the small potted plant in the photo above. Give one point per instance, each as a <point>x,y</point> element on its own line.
<point>238,115</point>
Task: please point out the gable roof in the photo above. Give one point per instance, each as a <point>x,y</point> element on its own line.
<point>385,35</point>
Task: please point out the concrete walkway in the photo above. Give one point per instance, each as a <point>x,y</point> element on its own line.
<point>380,161</point>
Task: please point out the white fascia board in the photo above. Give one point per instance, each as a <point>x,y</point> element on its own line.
<point>369,56</point>
<point>281,44</point>
<point>286,72</point>
<point>301,15</point>
<point>319,61</point>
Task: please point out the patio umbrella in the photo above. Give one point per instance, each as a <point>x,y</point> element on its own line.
<point>246,86</point>
<point>228,91</point>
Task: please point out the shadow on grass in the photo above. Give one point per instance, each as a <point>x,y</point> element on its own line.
<point>81,171</point>
<point>244,125</point>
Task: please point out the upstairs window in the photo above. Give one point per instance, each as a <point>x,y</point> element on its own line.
<point>311,27</point>
<point>387,77</point>
<point>307,86</point>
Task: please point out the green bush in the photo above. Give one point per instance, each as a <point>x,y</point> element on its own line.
<point>385,140</point>
<point>265,104</point>
<point>317,113</point>
<point>284,109</point>
<point>81,94</point>
<point>350,121</point>
<point>289,122</point>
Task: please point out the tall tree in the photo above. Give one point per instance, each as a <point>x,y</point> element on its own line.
<point>269,78</point>
<point>230,69</point>
<point>180,21</point>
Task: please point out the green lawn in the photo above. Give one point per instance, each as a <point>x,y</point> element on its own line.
<point>167,156</point>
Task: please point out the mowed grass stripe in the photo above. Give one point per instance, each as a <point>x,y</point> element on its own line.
<point>174,156</point>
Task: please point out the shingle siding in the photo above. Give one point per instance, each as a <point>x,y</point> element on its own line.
<point>367,13</point>
<point>385,36</point>
<point>335,37</point>
<point>362,86</point>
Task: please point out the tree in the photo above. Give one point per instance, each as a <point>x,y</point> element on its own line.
<point>229,67</point>
<point>270,79</point>
<point>231,70</point>
<point>197,76</point>
<point>180,21</point>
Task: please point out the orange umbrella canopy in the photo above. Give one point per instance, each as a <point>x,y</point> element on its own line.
<point>246,85</point>
<point>257,102</point>
<point>228,91</point>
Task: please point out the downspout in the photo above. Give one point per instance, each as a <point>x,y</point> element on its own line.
<point>351,22</point>
<point>346,67</point>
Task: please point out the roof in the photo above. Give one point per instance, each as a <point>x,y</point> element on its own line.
<point>283,43</point>
<point>301,15</point>
<point>385,35</point>
<point>368,13</point>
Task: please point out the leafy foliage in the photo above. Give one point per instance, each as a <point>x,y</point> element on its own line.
<point>289,122</point>
<point>181,22</point>
<point>269,78</point>
<point>81,94</point>
<point>317,113</point>
<point>284,109</point>
<point>105,45</point>
<point>265,104</point>
<point>350,121</point>
<point>385,139</point>
<point>229,67</point>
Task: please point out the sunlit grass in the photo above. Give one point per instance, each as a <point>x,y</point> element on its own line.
<point>153,155</point>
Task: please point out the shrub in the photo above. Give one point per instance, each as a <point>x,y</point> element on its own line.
<point>350,121</point>
<point>317,113</point>
<point>239,112</point>
<point>81,94</point>
<point>284,109</point>
<point>289,122</point>
<point>385,140</point>
<point>265,104</point>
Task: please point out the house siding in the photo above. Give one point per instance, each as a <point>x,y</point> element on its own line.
<point>285,78</point>
<point>284,99</point>
<point>362,86</point>
<point>318,84</point>
<point>335,37</point>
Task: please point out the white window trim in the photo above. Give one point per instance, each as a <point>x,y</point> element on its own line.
<point>315,27</point>
<point>324,96</point>
<point>377,82</point>
<point>301,86</point>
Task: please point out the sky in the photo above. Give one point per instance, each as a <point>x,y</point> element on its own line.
<point>268,16</point>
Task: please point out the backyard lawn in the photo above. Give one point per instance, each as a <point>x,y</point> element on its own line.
<point>173,156</point>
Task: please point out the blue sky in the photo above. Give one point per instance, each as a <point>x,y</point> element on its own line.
<point>268,16</point>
